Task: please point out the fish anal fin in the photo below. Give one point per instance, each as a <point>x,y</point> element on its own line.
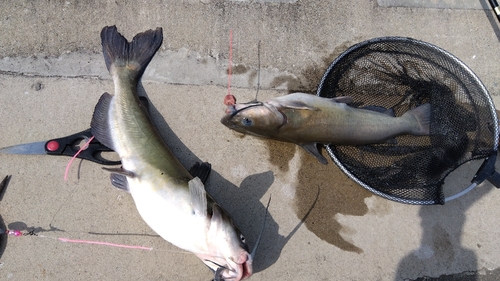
<point>198,197</point>
<point>120,171</point>
<point>100,123</point>
<point>201,170</point>
<point>312,148</point>
<point>119,181</point>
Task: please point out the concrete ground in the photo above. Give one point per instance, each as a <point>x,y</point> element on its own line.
<point>52,74</point>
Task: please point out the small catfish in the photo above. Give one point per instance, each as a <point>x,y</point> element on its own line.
<point>308,120</point>
<point>169,199</point>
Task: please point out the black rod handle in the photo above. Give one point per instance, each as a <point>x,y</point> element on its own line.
<point>496,9</point>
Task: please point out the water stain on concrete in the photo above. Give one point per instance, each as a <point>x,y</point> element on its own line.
<point>280,154</point>
<point>310,77</point>
<point>442,243</point>
<point>314,73</point>
<point>292,83</point>
<point>337,193</point>
<point>239,69</point>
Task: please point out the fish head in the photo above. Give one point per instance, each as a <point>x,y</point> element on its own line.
<point>255,118</point>
<point>227,248</point>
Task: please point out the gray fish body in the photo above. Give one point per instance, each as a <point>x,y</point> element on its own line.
<point>307,120</point>
<point>168,198</point>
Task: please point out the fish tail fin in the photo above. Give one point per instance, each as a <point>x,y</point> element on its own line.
<point>136,55</point>
<point>422,116</point>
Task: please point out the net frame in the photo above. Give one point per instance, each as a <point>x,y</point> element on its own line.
<point>454,63</point>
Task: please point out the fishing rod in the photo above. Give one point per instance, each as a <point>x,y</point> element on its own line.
<point>496,9</point>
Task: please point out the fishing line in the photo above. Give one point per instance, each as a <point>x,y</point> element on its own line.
<point>104,243</point>
<point>261,230</point>
<point>230,66</point>
<point>20,233</point>
<point>258,71</point>
<point>74,157</point>
<point>229,99</point>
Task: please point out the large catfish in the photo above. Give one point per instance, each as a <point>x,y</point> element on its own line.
<point>307,120</point>
<point>169,199</point>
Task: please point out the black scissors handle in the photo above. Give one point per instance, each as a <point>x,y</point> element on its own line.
<point>69,146</point>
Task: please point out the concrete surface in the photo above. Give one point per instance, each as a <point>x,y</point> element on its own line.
<point>52,74</point>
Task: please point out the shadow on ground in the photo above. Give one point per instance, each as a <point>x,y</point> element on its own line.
<point>242,203</point>
<point>441,245</point>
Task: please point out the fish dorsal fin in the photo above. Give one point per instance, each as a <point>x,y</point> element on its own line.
<point>198,197</point>
<point>201,170</point>
<point>119,181</point>
<point>343,99</point>
<point>312,148</point>
<point>99,124</point>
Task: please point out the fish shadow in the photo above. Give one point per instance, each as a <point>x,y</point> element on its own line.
<point>242,203</point>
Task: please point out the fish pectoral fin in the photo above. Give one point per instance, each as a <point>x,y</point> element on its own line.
<point>100,123</point>
<point>312,148</point>
<point>120,171</point>
<point>201,170</point>
<point>119,181</point>
<point>343,99</point>
<point>198,197</point>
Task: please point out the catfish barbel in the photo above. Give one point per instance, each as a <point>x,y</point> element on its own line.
<point>307,120</point>
<point>169,199</point>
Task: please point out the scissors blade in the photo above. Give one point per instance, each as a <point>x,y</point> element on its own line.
<point>33,148</point>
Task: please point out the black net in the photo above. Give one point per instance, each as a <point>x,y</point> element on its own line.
<point>403,73</point>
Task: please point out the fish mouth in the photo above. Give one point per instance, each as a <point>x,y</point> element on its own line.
<point>231,269</point>
<point>238,270</point>
<point>246,268</point>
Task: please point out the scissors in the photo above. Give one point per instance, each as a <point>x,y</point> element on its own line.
<point>65,146</point>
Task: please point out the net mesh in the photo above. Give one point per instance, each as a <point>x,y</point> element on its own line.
<point>403,73</point>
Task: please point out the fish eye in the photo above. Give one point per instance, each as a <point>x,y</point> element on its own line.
<point>243,239</point>
<point>247,122</point>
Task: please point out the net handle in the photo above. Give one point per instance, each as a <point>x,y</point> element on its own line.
<point>485,172</point>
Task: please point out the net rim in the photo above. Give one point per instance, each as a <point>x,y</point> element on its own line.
<point>440,51</point>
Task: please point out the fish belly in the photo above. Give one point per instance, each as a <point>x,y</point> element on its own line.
<point>169,213</point>
<point>159,187</point>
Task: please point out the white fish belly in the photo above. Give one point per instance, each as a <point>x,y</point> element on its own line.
<point>169,213</point>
